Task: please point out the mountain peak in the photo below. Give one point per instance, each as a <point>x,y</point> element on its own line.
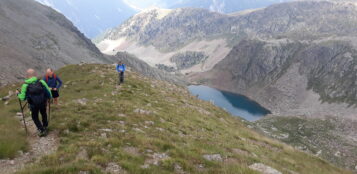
<point>160,13</point>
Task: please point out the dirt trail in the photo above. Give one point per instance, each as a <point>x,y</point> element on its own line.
<point>39,147</point>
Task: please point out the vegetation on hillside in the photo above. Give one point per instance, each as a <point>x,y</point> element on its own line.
<point>188,59</point>
<point>150,126</point>
<point>311,135</point>
<point>12,138</point>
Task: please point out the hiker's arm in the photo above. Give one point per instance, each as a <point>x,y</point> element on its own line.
<point>48,90</point>
<point>22,94</point>
<point>59,83</point>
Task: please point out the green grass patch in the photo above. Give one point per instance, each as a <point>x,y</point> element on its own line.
<point>12,134</point>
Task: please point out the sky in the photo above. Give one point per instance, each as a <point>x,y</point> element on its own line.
<point>142,4</point>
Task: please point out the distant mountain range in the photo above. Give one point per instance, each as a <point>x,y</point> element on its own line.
<point>226,6</point>
<point>293,57</point>
<point>96,16</point>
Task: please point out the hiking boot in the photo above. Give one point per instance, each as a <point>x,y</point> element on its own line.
<point>42,133</point>
<point>45,129</point>
<point>45,132</point>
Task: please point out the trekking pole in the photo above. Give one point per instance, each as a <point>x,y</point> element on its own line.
<point>49,111</point>
<point>23,115</point>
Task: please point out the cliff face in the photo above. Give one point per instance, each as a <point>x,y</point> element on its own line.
<point>35,36</point>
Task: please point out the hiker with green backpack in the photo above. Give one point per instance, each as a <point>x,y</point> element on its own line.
<point>37,94</point>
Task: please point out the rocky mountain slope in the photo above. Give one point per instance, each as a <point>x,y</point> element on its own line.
<point>311,135</point>
<point>292,77</point>
<point>298,20</point>
<point>33,35</point>
<point>156,35</point>
<point>150,126</point>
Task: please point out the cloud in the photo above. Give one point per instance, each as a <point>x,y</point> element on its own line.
<point>70,3</point>
<point>49,3</point>
<point>46,2</point>
<point>140,5</point>
<point>133,6</point>
<point>217,6</point>
<point>97,17</point>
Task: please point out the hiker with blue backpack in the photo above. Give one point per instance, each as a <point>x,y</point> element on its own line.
<point>54,83</point>
<point>37,94</point>
<point>121,68</point>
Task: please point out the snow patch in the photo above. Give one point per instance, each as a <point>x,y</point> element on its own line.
<point>127,2</point>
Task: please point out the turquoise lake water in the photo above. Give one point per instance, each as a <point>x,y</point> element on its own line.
<point>237,105</point>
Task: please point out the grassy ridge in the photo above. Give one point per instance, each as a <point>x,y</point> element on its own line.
<point>12,136</point>
<point>149,126</point>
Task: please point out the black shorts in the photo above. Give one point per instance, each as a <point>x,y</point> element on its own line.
<point>55,94</point>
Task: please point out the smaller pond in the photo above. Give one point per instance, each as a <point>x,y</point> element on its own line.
<point>237,105</point>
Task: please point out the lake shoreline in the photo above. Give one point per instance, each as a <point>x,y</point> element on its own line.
<point>236,104</point>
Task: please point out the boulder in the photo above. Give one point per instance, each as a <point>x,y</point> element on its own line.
<point>213,157</point>
<point>264,169</point>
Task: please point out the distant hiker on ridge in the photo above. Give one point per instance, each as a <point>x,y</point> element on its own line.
<point>37,93</point>
<point>121,67</point>
<point>54,83</point>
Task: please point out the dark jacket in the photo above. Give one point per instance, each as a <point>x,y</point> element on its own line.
<point>53,82</point>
